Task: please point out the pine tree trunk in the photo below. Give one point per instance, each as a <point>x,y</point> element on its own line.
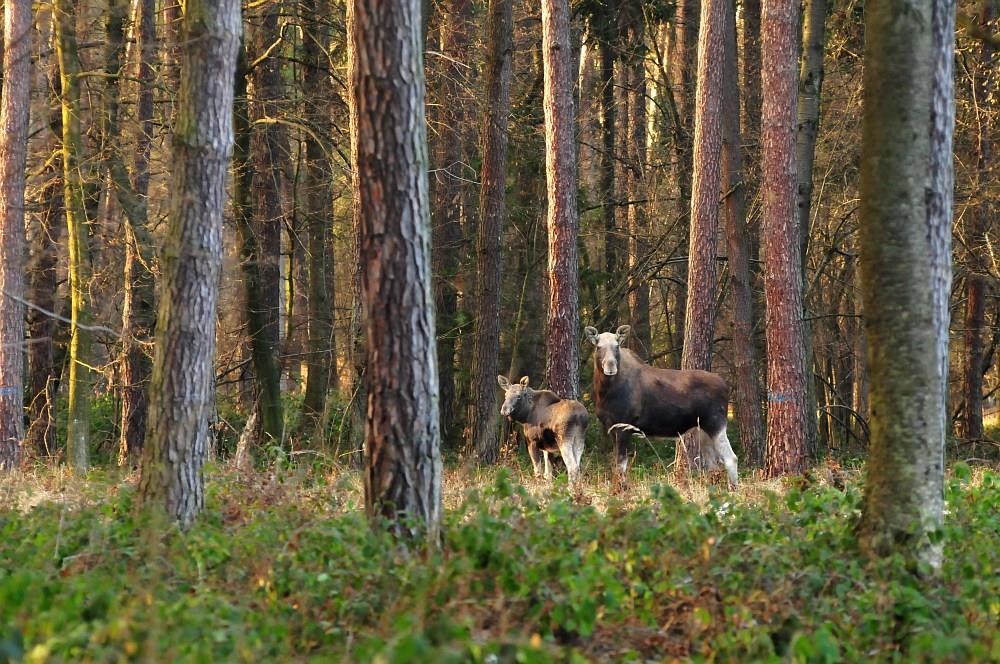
<point>183,380</point>
<point>980,214</point>
<point>321,360</point>
<point>700,317</point>
<point>563,348</point>
<point>389,159</point>
<point>612,234</point>
<point>786,379</point>
<point>747,397</point>
<point>492,203</point>
<point>14,107</point>
<point>810,88</point>
<point>269,156</point>
<point>683,69</point>
<point>906,128</point>
<point>81,378</point>
<point>137,304</point>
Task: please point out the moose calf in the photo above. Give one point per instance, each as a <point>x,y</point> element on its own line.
<point>550,424</point>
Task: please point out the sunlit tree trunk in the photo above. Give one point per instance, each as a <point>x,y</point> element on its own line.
<point>14,107</point>
<point>563,348</point>
<point>183,380</point>
<point>605,32</point>
<point>492,203</point>
<point>786,379</point>
<point>389,159</point>
<point>905,223</point>
<point>747,388</point>
<point>81,360</point>
<point>137,304</point>
<point>638,219</point>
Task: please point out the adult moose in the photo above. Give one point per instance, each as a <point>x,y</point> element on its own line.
<point>550,424</point>
<point>633,397</point>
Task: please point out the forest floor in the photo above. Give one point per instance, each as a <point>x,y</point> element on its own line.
<point>283,566</point>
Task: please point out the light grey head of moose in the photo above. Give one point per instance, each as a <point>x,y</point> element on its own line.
<point>608,347</point>
<point>518,398</point>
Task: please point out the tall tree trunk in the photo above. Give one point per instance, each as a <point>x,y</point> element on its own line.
<point>980,214</point>
<point>683,69</point>
<point>447,229</point>
<point>748,397</point>
<point>81,359</point>
<point>751,83</point>
<point>701,292</point>
<point>810,89</point>
<point>786,379</point>
<point>492,203</point>
<point>638,221</point>
<point>269,156</point>
<point>182,388</point>
<point>904,231</point>
<point>322,356</point>
<point>14,107</point>
<point>563,347</point>
<point>389,159</point>
<point>606,30</point>
<point>137,305</point>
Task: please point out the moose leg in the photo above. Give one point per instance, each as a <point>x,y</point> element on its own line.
<point>548,466</point>
<point>724,451</point>
<point>623,444</point>
<point>570,457</point>
<point>536,456</point>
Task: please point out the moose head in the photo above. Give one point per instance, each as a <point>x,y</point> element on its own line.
<point>608,351</point>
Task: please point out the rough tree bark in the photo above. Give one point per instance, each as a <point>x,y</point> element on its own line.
<point>492,203</point>
<point>905,226</point>
<point>13,152</point>
<point>391,214</point>
<point>321,361</point>
<point>81,360</point>
<point>980,215</point>
<point>563,348</point>
<point>183,382</point>
<point>699,330</point>
<point>747,392</point>
<point>786,381</point>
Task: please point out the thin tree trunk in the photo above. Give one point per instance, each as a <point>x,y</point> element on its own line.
<point>14,107</point>
<point>137,304</point>
<point>748,397</point>
<point>183,382</point>
<point>447,228</point>
<point>701,293</point>
<point>810,89</point>
<point>563,348</point>
<point>786,379</point>
<point>980,214</point>
<point>608,195</point>
<point>492,203</point>
<point>638,221</point>
<point>391,212</point>
<point>81,359</point>
<point>269,156</point>
<point>903,230</point>
<point>322,358</point>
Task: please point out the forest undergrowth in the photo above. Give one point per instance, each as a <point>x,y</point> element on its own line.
<point>283,566</point>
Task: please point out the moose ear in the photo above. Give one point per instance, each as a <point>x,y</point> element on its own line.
<point>524,381</point>
<point>622,333</point>
<point>591,333</point>
<point>503,382</point>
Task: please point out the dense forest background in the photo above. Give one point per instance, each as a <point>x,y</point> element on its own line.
<point>288,322</point>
